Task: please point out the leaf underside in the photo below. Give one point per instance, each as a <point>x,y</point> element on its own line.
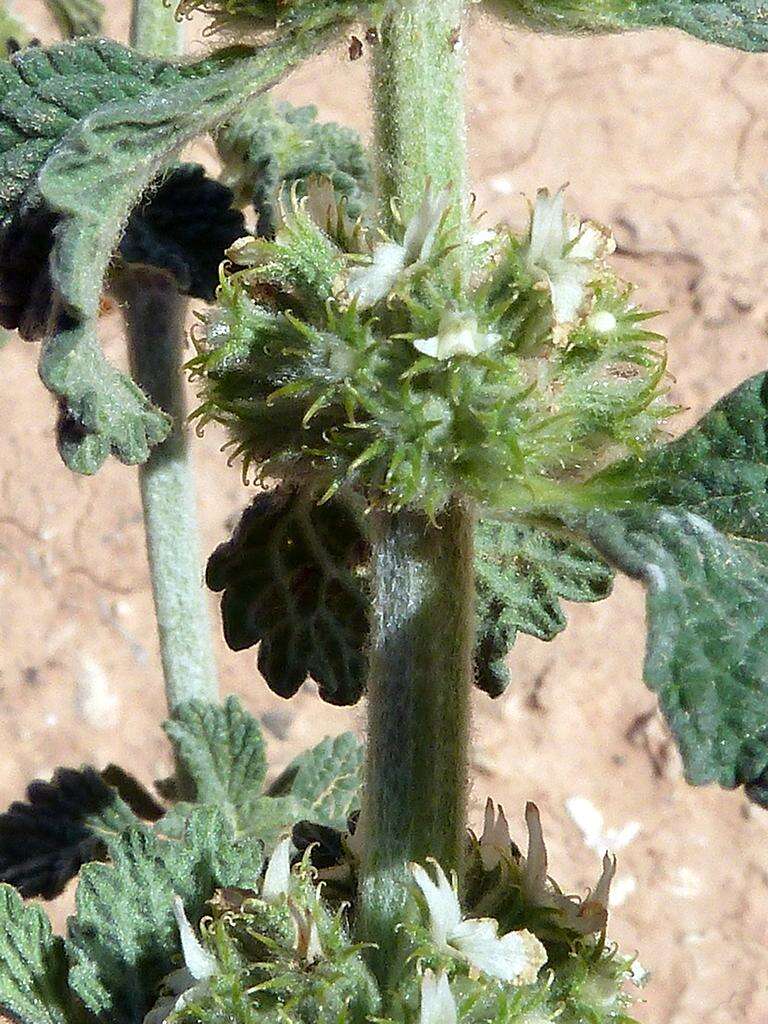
<point>740,24</point>
<point>522,572</point>
<point>691,521</point>
<point>290,581</point>
<point>85,128</point>
<point>33,976</point>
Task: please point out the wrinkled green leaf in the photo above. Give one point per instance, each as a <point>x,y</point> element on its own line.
<point>270,148</point>
<point>221,751</point>
<point>84,129</point>
<point>61,826</point>
<point>522,572</point>
<point>77,17</point>
<point>327,780</point>
<point>691,521</point>
<point>290,577</point>
<point>184,228</point>
<point>123,939</point>
<point>741,24</point>
<point>33,966</point>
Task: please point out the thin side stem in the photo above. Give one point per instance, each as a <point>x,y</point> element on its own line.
<point>418,711</point>
<point>154,314</point>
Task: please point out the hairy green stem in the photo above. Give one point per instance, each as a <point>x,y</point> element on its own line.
<point>418,711</point>
<point>154,313</point>
<point>418,93</point>
<point>155,317</point>
<point>414,803</point>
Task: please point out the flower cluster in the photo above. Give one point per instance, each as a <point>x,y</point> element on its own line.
<point>274,954</point>
<point>513,950</point>
<point>353,357</point>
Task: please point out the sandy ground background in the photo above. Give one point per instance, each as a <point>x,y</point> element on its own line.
<point>663,138</point>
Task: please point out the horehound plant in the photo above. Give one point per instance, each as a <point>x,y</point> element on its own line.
<point>452,427</point>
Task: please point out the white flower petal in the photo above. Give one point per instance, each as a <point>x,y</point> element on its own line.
<point>200,963</point>
<point>567,287</point>
<point>603,887</point>
<point>549,234</point>
<point>457,335</point>
<point>277,878</point>
<point>495,841</point>
<point>515,957</point>
<point>442,902</point>
<point>437,1003</point>
<point>535,871</point>
<point>374,282</point>
<point>421,231</point>
<point>593,241</point>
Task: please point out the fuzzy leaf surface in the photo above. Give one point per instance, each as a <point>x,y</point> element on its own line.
<point>740,24</point>
<point>85,127</point>
<point>328,779</point>
<point>62,825</point>
<point>522,573</point>
<point>271,147</point>
<point>33,975</point>
<point>690,521</point>
<point>290,578</point>
<point>222,752</point>
<point>123,939</point>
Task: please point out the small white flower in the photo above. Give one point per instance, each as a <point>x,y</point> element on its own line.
<point>457,335</point>
<point>515,957</point>
<point>277,877</point>
<point>495,843</point>
<point>584,917</point>
<point>308,946</point>
<point>369,284</point>
<point>189,982</point>
<point>562,253</point>
<point>437,1003</point>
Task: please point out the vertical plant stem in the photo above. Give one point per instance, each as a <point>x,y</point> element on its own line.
<point>418,93</point>
<point>414,803</point>
<point>154,314</point>
<point>418,711</point>
<point>155,318</point>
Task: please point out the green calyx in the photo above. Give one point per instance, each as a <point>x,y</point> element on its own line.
<point>349,357</point>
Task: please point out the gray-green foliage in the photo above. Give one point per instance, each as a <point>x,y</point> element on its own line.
<point>85,128</point>
<point>123,939</point>
<point>221,752</point>
<point>522,572</point>
<point>741,24</point>
<point>691,521</point>
<point>33,971</point>
<point>295,574</point>
<point>271,147</point>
